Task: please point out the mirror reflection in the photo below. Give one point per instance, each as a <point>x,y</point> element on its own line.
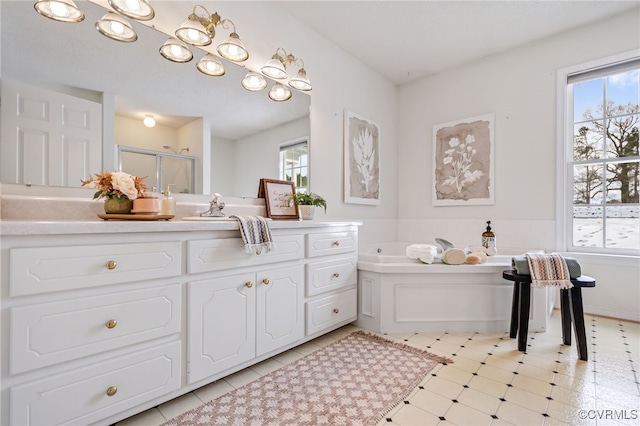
<point>233,135</point>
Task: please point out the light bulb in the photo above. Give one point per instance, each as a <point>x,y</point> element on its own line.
<point>149,121</point>
<point>193,35</point>
<point>133,4</point>
<point>117,27</point>
<point>60,10</point>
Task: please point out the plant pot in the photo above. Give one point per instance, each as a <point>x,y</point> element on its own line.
<point>118,205</point>
<point>306,212</point>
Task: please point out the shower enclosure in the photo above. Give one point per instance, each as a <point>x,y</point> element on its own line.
<point>159,168</point>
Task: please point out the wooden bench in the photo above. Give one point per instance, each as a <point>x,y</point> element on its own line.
<point>570,308</point>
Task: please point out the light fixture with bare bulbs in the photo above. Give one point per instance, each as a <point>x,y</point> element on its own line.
<point>200,28</point>
<point>276,68</point>
<point>59,10</point>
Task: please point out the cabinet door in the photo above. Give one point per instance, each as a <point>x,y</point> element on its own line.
<point>280,309</point>
<point>221,324</point>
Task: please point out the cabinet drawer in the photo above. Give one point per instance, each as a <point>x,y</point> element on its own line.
<point>216,255</point>
<point>331,243</point>
<point>47,269</point>
<point>331,310</point>
<point>331,275</point>
<point>51,333</point>
<point>80,396</point>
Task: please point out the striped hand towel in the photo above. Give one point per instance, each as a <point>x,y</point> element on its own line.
<point>548,270</point>
<point>255,234</point>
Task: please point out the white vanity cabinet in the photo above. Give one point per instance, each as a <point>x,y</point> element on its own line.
<point>103,320</point>
<point>236,318</point>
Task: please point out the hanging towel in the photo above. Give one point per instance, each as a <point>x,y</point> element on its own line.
<point>255,234</point>
<point>520,264</point>
<point>548,270</point>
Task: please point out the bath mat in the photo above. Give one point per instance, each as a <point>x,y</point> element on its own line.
<point>354,381</point>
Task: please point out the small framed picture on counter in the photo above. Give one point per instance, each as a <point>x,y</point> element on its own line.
<point>278,195</point>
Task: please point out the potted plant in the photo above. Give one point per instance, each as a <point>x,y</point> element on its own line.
<point>307,202</point>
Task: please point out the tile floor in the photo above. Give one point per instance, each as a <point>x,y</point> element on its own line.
<point>489,382</point>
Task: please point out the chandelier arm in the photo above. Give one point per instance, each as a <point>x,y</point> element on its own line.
<point>224,24</point>
<point>206,12</point>
<point>282,57</point>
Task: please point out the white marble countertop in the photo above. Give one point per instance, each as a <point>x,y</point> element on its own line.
<point>99,226</point>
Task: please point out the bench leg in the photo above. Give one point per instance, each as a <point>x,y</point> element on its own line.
<point>565,315</point>
<point>577,317</point>
<point>523,319</point>
<point>515,309</point>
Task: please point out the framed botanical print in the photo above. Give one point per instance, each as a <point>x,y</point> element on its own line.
<point>463,162</point>
<point>361,160</point>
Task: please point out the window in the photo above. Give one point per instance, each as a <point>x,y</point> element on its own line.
<point>602,160</point>
<point>294,165</point>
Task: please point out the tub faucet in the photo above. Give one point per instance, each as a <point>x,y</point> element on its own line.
<point>215,207</point>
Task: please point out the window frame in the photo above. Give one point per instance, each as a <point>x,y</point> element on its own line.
<point>303,140</point>
<point>564,155</point>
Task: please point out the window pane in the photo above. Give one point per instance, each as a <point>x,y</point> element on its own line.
<point>303,177</point>
<point>587,141</point>
<point>587,100</point>
<point>623,227</point>
<point>622,182</point>
<point>587,227</point>
<point>622,136</point>
<point>622,91</point>
<point>587,184</point>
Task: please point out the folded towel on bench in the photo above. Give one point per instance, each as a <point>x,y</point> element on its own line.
<point>520,264</point>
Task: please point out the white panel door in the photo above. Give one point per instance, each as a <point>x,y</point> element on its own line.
<point>48,138</point>
<point>221,318</point>
<point>280,308</point>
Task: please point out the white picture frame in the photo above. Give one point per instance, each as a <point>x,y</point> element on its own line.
<point>463,162</point>
<point>361,160</point>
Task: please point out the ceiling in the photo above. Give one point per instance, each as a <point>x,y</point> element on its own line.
<point>407,40</point>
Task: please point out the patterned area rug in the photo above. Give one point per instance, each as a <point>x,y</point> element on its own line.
<point>354,381</point>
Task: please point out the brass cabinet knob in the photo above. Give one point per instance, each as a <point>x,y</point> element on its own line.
<point>266,281</point>
<point>248,284</point>
<point>112,390</point>
<point>111,264</point>
<point>336,275</point>
<point>336,243</point>
<point>112,323</point>
<point>336,310</point>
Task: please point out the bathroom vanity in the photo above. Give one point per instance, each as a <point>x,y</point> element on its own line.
<point>105,319</point>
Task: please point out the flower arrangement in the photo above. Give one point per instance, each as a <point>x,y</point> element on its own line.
<point>118,185</point>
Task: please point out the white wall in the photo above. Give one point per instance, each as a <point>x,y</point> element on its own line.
<point>519,87</point>
<point>266,147</point>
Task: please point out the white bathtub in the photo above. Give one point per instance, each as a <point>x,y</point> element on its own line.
<point>397,294</point>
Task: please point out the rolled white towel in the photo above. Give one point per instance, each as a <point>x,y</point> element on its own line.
<point>427,253</point>
<point>413,250</point>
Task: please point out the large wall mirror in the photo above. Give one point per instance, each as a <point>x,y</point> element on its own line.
<point>237,133</point>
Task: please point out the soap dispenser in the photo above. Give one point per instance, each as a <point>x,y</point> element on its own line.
<point>489,239</point>
<point>168,206</point>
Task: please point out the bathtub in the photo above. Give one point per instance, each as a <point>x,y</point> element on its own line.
<point>401,295</point>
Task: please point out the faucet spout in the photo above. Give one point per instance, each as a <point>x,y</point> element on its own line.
<point>215,207</point>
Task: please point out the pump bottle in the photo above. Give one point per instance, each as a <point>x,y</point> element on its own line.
<point>168,205</point>
<point>489,238</point>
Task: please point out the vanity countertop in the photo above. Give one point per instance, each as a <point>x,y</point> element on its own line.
<point>98,226</point>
